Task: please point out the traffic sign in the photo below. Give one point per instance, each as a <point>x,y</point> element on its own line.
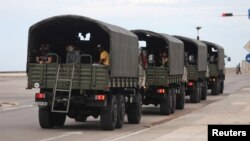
<point>248,58</point>
<point>247,46</point>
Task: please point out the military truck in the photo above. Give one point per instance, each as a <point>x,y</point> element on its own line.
<point>195,68</point>
<point>164,85</point>
<point>80,90</point>
<point>216,65</point>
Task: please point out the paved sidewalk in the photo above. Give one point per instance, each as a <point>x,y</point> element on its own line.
<point>233,109</point>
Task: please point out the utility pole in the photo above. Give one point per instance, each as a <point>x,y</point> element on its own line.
<point>198,28</point>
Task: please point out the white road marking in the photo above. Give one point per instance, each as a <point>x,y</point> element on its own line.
<point>62,136</point>
<point>131,134</point>
<point>16,108</point>
<point>127,135</point>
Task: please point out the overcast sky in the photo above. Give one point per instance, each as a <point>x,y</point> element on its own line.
<point>174,17</point>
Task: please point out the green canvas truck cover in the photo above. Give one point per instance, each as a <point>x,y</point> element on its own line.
<point>202,51</point>
<point>220,50</point>
<point>175,49</point>
<point>123,44</point>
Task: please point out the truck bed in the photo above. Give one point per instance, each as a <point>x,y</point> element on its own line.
<point>159,76</point>
<point>193,73</point>
<point>85,76</point>
<point>213,70</point>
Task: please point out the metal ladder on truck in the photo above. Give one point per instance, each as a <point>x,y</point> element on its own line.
<point>58,91</point>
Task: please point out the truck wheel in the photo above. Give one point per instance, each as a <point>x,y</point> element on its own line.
<point>195,93</point>
<point>204,91</point>
<point>135,110</point>
<point>45,118</point>
<point>173,96</point>
<point>166,104</point>
<point>121,110</point>
<point>199,92</point>
<point>180,98</point>
<point>109,114</point>
<point>215,90</point>
<point>222,86</point>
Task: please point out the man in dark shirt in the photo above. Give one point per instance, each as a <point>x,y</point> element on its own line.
<point>41,56</point>
<point>72,55</point>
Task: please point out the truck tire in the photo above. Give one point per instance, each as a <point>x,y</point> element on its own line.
<point>109,114</point>
<point>173,96</point>
<point>47,119</point>
<point>222,86</point>
<point>166,104</point>
<point>195,93</point>
<point>135,110</point>
<point>204,91</point>
<point>121,110</point>
<point>215,90</point>
<point>180,99</point>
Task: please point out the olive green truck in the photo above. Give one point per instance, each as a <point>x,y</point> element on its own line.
<point>164,83</point>
<point>216,65</point>
<point>80,90</point>
<point>195,69</point>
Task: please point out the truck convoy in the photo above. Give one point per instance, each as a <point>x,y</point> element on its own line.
<point>174,67</point>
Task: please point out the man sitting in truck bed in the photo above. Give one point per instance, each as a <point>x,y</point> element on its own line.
<point>104,56</point>
<point>42,57</point>
<point>164,59</point>
<point>72,55</point>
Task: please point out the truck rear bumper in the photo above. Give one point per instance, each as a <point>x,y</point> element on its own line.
<point>41,103</point>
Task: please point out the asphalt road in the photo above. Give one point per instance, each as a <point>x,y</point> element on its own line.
<point>19,118</point>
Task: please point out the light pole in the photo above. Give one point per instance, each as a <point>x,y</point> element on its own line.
<point>198,28</point>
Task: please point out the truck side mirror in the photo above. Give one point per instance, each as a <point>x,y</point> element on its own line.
<point>228,59</point>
